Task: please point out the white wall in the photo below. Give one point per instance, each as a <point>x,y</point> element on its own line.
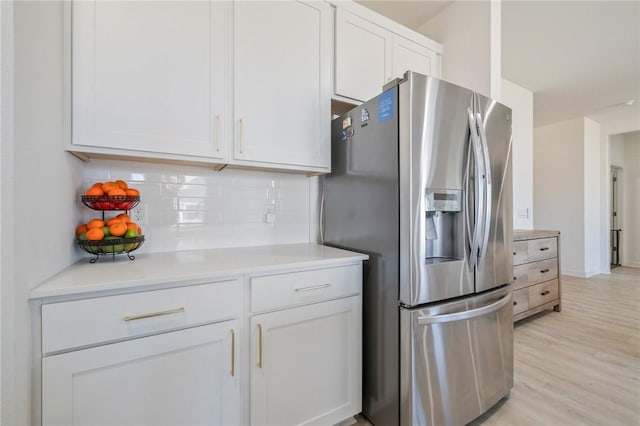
<point>520,100</point>
<point>44,184</point>
<point>558,188</point>
<point>630,255</point>
<point>465,30</point>
<point>568,191</point>
<point>616,149</point>
<point>592,204</point>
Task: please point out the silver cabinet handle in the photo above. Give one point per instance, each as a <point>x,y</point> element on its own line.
<point>311,288</point>
<point>233,353</point>
<point>218,133</point>
<point>153,314</point>
<point>259,346</point>
<point>465,315</point>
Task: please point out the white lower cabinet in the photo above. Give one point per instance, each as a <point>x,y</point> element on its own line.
<point>160,357</point>
<point>185,377</point>
<point>306,360</point>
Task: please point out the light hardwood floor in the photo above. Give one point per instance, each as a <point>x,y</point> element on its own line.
<point>580,366</point>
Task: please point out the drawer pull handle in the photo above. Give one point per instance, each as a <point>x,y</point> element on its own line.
<point>233,353</point>
<point>515,278</point>
<point>544,293</point>
<point>514,253</point>
<point>544,271</point>
<point>515,303</point>
<point>153,314</point>
<point>218,133</point>
<point>311,288</point>
<point>544,248</point>
<point>259,345</point>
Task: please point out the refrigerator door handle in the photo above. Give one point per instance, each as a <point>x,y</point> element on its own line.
<point>465,315</point>
<point>487,186</point>
<point>479,205</point>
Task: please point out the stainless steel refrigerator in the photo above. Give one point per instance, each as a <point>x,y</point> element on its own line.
<point>421,181</point>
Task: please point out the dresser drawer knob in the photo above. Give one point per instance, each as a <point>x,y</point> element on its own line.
<point>514,253</point>
<point>544,248</point>
<point>515,303</point>
<point>544,293</point>
<point>515,278</point>
<point>544,271</point>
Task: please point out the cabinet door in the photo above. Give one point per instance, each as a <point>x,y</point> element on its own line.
<point>409,55</point>
<point>306,364</point>
<point>186,377</point>
<point>151,77</point>
<point>282,84</point>
<point>362,55</point>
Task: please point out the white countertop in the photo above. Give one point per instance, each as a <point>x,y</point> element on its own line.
<point>150,269</point>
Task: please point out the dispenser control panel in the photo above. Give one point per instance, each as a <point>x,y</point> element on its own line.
<point>443,200</point>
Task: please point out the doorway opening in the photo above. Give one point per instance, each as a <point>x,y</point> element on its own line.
<point>616,220</point>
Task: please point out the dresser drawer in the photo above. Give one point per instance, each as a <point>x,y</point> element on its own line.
<point>520,300</point>
<point>86,322</point>
<point>542,293</point>
<point>520,252</point>
<point>300,288</point>
<point>543,270</point>
<point>542,248</point>
<point>520,276</point>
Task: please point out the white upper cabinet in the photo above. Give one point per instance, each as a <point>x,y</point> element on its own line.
<point>371,50</point>
<point>363,56</point>
<point>151,79</point>
<point>282,85</point>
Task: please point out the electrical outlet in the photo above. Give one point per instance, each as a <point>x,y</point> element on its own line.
<point>269,213</point>
<point>138,214</point>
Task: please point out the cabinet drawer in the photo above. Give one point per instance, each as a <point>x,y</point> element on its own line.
<point>520,252</point>
<point>520,300</point>
<point>543,270</point>
<point>520,276</point>
<point>542,248</point>
<point>542,293</point>
<point>301,288</point>
<point>88,322</point>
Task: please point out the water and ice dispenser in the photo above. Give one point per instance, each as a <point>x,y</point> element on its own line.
<point>444,225</point>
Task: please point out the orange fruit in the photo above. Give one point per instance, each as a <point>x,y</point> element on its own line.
<point>139,231</point>
<point>132,225</point>
<point>117,229</point>
<point>125,218</point>
<point>97,184</point>
<point>81,229</point>
<point>95,223</point>
<point>121,184</point>
<point>117,192</point>
<point>94,191</point>
<point>108,186</point>
<point>132,192</point>
<point>114,220</point>
<point>95,234</point>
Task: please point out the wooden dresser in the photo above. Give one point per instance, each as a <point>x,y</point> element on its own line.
<point>536,272</point>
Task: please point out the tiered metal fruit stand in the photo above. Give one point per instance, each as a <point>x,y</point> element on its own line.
<point>114,246</point>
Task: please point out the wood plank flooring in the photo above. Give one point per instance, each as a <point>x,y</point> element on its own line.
<point>580,366</point>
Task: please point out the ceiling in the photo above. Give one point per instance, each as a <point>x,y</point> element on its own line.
<point>579,58</point>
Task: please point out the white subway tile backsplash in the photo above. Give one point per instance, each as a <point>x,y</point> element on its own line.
<point>193,207</point>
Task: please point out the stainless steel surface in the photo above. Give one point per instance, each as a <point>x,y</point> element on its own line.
<point>441,259</point>
<point>433,138</point>
<point>495,268</point>
<point>457,359</point>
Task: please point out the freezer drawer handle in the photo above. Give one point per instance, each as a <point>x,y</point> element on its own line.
<point>544,293</point>
<point>544,271</point>
<point>465,315</point>
<point>544,248</point>
<point>312,287</point>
